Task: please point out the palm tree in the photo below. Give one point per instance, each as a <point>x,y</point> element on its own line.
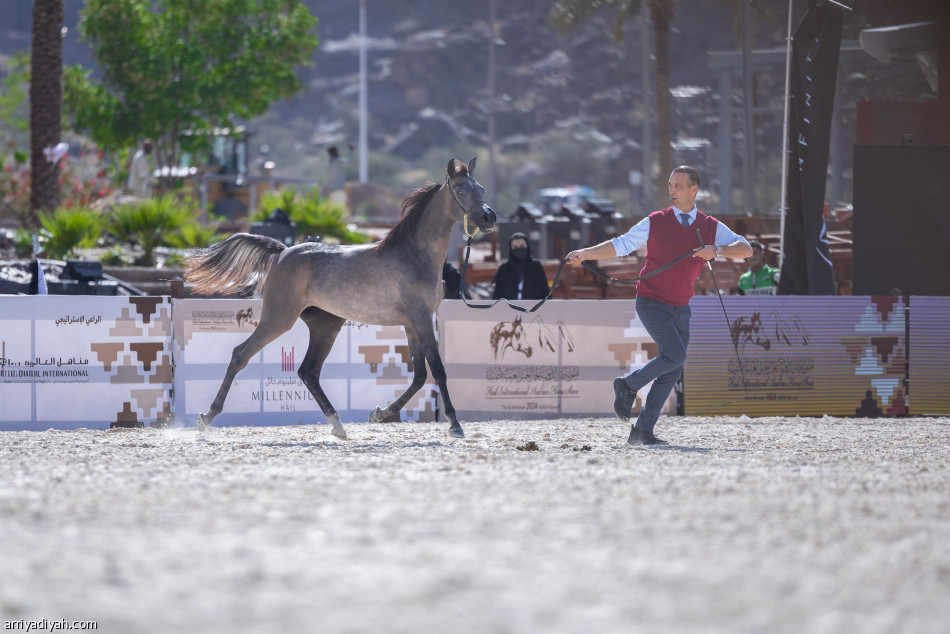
<point>567,14</point>
<point>46,102</point>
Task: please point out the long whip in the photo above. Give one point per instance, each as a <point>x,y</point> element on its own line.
<point>735,343</point>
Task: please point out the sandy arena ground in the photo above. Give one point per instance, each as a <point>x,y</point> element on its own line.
<point>741,525</point>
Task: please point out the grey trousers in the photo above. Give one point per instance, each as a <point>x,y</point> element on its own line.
<point>669,327</point>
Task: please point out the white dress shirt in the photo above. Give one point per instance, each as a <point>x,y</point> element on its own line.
<point>639,233</point>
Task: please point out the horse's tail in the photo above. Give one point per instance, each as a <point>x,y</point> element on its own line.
<point>239,263</point>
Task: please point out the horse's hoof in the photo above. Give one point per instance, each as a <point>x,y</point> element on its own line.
<point>456,432</point>
<point>339,432</point>
<point>376,416</point>
<point>203,422</point>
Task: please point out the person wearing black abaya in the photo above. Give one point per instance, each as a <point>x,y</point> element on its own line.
<point>453,281</point>
<point>521,276</point>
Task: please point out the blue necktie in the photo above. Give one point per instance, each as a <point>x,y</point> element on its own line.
<point>684,220</point>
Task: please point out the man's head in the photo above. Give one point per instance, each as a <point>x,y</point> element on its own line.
<point>147,146</point>
<point>757,259</point>
<point>684,185</point>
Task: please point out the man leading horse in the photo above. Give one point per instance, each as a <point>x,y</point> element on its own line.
<point>663,299</point>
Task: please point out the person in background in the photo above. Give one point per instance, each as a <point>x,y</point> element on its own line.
<point>520,276</point>
<point>663,299</point>
<point>760,279</point>
<point>140,172</point>
<point>453,281</point>
<point>336,169</point>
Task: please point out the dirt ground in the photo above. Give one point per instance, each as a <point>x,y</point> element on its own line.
<point>740,525</point>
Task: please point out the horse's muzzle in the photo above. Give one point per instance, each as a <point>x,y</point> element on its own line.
<point>487,219</point>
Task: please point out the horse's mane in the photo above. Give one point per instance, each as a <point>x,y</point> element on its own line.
<point>411,209</point>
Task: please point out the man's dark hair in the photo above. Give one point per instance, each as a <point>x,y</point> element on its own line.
<point>692,172</point>
<point>755,244</point>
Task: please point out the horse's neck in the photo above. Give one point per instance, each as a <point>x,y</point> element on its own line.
<point>436,227</point>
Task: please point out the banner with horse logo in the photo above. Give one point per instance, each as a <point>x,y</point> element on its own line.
<point>558,361</point>
<point>806,356</point>
<point>367,366</point>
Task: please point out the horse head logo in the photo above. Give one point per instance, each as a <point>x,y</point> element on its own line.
<point>509,336</point>
<point>750,330</point>
<point>245,316</point>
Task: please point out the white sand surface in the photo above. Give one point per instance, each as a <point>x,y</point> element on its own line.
<point>740,525</point>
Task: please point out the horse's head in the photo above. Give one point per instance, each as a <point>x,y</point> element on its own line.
<point>514,337</point>
<point>470,208</point>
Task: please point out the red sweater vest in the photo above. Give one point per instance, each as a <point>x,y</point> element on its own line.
<point>668,240</point>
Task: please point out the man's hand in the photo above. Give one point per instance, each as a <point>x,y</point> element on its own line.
<point>576,257</point>
<point>706,252</point>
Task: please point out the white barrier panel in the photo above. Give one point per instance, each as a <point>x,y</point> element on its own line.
<point>367,367</point>
<point>68,362</point>
<point>558,361</point>
<point>929,374</point>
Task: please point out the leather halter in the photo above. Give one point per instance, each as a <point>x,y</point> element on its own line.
<point>465,212</point>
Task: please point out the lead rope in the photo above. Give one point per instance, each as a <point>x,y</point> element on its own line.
<point>557,276</point>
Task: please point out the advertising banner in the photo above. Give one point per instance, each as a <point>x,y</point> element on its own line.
<point>367,367</point>
<point>806,266</point>
<point>809,356</point>
<point>929,380</point>
<point>68,362</point>
<point>558,361</point>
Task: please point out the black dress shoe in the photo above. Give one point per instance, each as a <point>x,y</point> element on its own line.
<point>623,399</point>
<point>639,437</point>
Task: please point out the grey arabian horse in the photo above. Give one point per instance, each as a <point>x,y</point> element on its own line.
<point>395,282</point>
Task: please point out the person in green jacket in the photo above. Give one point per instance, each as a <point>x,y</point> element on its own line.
<point>760,279</point>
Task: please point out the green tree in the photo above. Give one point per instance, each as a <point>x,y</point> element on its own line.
<point>46,102</point>
<point>13,116</point>
<point>174,65</point>
<point>567,14</point>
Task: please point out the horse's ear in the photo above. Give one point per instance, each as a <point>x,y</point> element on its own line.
<point>451,168</point>
<point>471,167</point>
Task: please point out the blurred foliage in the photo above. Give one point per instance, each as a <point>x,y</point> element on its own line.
<point>313,215</point>
<point>175,65</point>
<point>116,256</point>
<point>66,231</point>
<point>193,234</point>
<point>84,179</point>
<point>149,223</point>
<point>23,242</point>
<point>14,115</point>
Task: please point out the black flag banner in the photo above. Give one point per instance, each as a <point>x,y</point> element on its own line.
<point>806,262</point>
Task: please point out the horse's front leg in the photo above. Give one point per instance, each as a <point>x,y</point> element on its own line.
<point>430,348</point>
<point>438,373</point>
<point>418,360</point>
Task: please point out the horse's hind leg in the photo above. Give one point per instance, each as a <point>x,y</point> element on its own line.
<point>275,320</point>
<point>324,328</point>
<point>418,379</point>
